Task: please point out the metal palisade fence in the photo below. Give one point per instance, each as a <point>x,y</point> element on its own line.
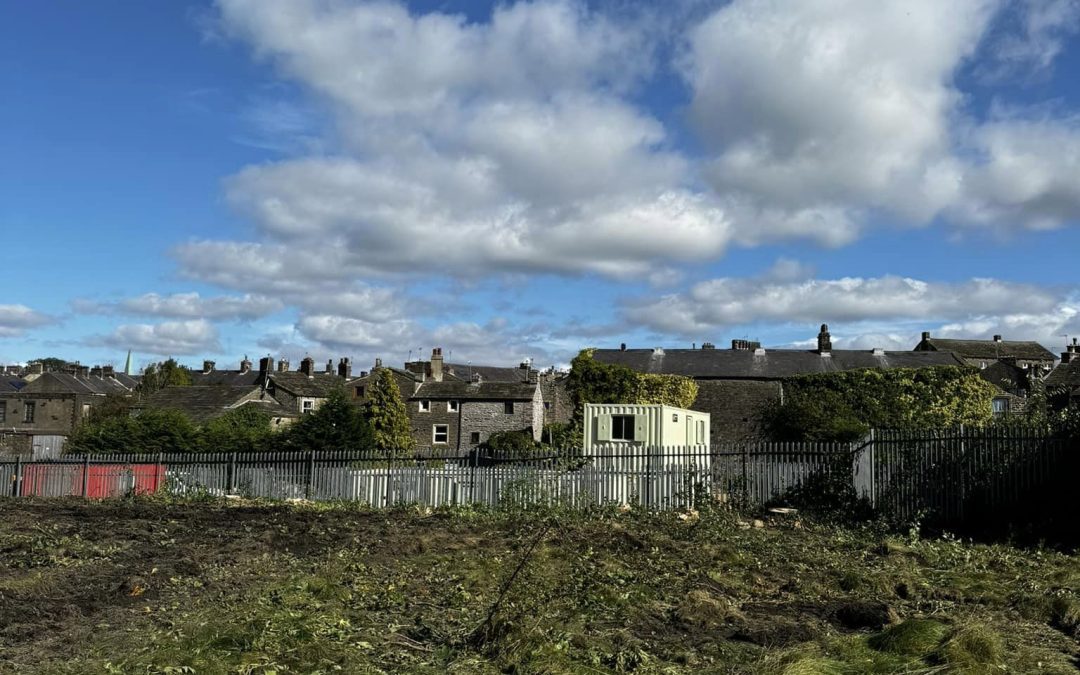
<point>946,476</point>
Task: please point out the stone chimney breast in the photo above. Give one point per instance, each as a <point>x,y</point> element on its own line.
<point>824,341</point>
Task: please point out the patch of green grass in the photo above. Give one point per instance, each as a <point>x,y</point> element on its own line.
<point>913,637</point>
<point>974,649</point>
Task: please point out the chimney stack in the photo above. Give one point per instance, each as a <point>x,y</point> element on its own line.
<point>107,371</point>
<point>207,367</point>
<point>37,368</point>
<point>824,341</point>
<point>378,363</point>
<point>266,364</point>
<point>437,364</point>
<point>330,367</point>
<point>1071,353</point>
<point>622,347</point>
<point>708,345</point>
<point>926,335</point>
<point>307,366</point>
<point>245,365</point>
<point>344,368</point>
<point>95,371</point>
<point>997,338</point>
<point>283,365</point>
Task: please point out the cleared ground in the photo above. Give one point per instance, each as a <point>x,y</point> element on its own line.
<point>155,587</point>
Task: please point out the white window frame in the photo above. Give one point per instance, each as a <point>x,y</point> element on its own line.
<point>453,406</point>
<point>307,406</point>
<point>423,405</point>
<point>435,434</point>
<point>29,412</point>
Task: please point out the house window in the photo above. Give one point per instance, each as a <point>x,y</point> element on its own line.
<point>1001,407</point>
<point>440,434</point>
<point>86,410</point>
<point>424,406</point>
<point>474,438</point>
<point>547,405</point>
<point>307,406</point>
<point>28,412</point>
<point>622,427</point>
<point>359,392</point>
<point>451,406</point>
<point>508,407</point>
<point>3,411</point>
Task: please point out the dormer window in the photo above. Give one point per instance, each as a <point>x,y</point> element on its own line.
<point>424,406</point>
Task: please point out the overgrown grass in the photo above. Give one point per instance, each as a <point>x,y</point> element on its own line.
<point>156,586</point>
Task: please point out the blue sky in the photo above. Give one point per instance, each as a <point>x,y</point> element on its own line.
<point>336,178</point>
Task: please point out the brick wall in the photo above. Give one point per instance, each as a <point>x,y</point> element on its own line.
<point>733,406</point>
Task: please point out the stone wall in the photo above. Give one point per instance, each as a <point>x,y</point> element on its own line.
<point>488,417</point>
<point>421,424</point>
<point>558,407</point>
<point>734,405</point>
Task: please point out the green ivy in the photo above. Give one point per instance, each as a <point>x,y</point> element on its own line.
<point>593,382</point>
<point>845,405</point>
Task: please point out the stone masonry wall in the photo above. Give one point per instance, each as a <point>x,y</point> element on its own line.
<point>488,417</point>
<point>733,406</point>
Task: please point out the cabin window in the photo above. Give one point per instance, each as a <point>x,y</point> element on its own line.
<point>424,406</point>
<point>508,407</point>
<point>440,434</point>
<point>622,427</point>
<point>1000,407</point>
<point>28,412</point>
<point>451,406</point>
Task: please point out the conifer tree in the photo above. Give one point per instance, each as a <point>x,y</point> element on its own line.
<point>388,417</point>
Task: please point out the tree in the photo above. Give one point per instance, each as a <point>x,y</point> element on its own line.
<point>337,424</point>
<point>388,417</point>
<point>243,429</point>
<point>168,373</point>
<point>52,363</point>
<point>152,431</point>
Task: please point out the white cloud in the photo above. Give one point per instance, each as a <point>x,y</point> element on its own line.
<point>729,302</point>
<point>165,339</point>
<point>1034,37</point>
<point>187,306</point>
<point>15,320</point>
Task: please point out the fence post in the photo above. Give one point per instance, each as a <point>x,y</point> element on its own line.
<point>232,474</point>
<point>16,490</point>
<point>86,476</point>
<point>745,477</point>
<point>388,485</point>
<point>310,476</point>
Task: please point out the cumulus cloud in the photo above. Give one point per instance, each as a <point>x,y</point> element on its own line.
<point>171,338</point>
<point>15,320</point>
<point>729,302</point>
<point>187,306</point>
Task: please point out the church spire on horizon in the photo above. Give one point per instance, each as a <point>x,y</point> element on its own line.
<point>127,365</point>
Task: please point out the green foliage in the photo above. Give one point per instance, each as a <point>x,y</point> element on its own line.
<point>558,435</point>
<point>151,431</point>
<point>337,424</point>
<point>244,429</point>
<point>114,405</point>
<point>843,406</point>
<point>52,363</point>
<point>593,382</point>
<point>387,415</point>
<point>511,443</point>
<point>168,373</point>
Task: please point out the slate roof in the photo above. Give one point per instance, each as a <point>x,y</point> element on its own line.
<point>202,404</point>
<point>487,373</point>
<point>774,364</point>
<point>990,349</point>
<point>9,384</point>
<point>1065,376</point>
<point>1006,376</point>
<point>475,391</point>
<point>318,385</point>
<point>229,378</point>
<point>65,383</point>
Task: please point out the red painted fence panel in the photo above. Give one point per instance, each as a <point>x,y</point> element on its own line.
<point>104,480</point>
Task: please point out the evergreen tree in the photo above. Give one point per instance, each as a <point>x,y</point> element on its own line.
<point>388,417</point>
<point>337,424</point>
<point>243,429</point>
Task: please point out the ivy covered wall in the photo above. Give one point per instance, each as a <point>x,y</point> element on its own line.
<point>845,405</point>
